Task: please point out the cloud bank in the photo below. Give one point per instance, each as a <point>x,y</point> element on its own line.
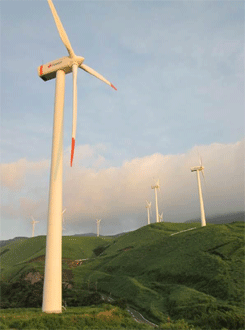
<point>92,188</point>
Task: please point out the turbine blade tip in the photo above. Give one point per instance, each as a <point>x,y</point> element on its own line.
<point>113,87</point>
<point>72,149</point>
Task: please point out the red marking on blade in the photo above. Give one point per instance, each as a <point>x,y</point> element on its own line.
<point>41,70</point>
<point>113,87</point>
<point>72,149</point>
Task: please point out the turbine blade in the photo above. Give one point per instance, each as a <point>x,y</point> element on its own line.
<point>96,74</point>
<point>61,29</point>
<point>74,119</point>
<point>158,184</point>
<point>200,159</point>
<point>204,177</point>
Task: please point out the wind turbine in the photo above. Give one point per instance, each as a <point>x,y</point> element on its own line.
<point>148,206</point>
<point>63,219</point>
<point>33,222</point>
<point>52,289</point>
<point>198,169</point>
<point>160,217</point>
<point>98,227</point>
<point>156,187</point>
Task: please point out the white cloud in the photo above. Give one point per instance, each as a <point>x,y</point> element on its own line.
<point>118,194</point>
<point>13,175</point>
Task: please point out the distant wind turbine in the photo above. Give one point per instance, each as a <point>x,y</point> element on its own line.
<point>33,222</point>
<point>52,289</point>
<point>160,217</point>
<point>198,169</point>
<point>63,218</point>
<point>156,187</point>
<point>148,206</point>
<point>98,227</point>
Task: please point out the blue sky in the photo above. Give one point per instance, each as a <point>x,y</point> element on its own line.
<point>179,70</point>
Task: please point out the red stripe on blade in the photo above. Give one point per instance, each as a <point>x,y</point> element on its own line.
<point>41,70</point>
<point>113,87</point>
<point>72,149</point>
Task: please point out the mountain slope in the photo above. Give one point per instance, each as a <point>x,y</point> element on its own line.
<point>196,274</point>
<point>201,268</point>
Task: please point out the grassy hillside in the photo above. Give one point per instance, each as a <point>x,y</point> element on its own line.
<point>195,274</point>
<point>20,256</point>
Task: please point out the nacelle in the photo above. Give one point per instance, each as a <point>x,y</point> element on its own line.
<point>197,168</point>
<point>48,71</point>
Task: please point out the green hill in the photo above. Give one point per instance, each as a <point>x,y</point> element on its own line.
<point>20,256</point>
<point>195,274</point>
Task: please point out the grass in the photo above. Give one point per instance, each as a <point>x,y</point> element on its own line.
<point>197,275</point>
<point>18,257</point>
<point>94,317</point>
<point>203,266</point>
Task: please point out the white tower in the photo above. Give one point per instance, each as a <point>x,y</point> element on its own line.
<point>199,169</point>
<point>148,206</point>
<point>33,222</point>
<point>98,227</point>
<point>156,187</point>
<point>52,289</point>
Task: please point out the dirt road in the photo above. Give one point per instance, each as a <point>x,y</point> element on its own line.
<point>135,315</point>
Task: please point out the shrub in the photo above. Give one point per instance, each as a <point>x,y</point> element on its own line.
<point>121,302</point>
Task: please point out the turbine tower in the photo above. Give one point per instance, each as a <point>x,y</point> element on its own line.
<point>148,206</point>
<point>199,169</point>
<point>160,217</point>
<point>98,227</point>
<point>52,289</point>
<point>156,187</point>
<point>33,222</point>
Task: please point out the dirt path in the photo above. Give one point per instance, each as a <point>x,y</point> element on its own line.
<point>135,315</point>
<point>140,318</point>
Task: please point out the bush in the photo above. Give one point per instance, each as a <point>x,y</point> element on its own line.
<point>21,294</point>
<point>76,298</point>
<point>179,325</point>
<point>100,249</point>
<point>121,302</point>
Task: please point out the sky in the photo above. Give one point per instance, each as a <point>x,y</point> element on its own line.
<point>179,71</point>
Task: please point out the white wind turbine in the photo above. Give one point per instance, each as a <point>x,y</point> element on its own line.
<point>98,227</point>
<point>160,217</point>
<point>52,290</point>
<point>156,187</point>
<point>148,206</point>
<point>63,218</point>
<point>198,169</point>
<point>33,222</point>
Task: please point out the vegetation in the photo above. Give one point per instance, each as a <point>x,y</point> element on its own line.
<point>194,279</point>
<point>94,317</point>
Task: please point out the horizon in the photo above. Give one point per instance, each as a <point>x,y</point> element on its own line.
<point>125,232</point>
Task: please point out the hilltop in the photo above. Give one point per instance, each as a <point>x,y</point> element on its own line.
<point>216,219</point>
<point>163,270</point>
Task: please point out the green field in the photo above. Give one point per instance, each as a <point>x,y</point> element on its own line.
<point>196,275</point>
